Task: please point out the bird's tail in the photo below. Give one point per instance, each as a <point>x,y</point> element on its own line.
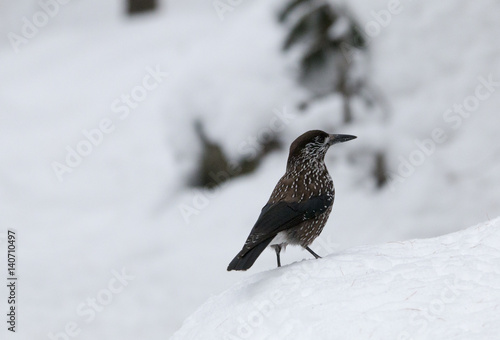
<point>246,258</point>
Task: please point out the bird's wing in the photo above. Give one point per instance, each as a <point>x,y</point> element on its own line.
<point>283,215</point>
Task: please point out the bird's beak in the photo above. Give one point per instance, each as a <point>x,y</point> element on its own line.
<point>334,139</point>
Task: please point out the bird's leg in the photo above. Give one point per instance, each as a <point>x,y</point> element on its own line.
<point>313,253</point>
<point>277,248</point>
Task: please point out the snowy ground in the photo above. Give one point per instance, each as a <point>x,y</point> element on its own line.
<point>118,209</point>
<point>446,287</point>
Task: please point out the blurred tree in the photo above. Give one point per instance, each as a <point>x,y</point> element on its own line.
<point>332,53</point>
<point>325,37</point>
<point>140,6</point>
<point>215,167</point>
<point>380,171</point>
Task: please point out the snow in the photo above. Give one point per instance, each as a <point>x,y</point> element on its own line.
<point>120,208</point>
<point>446,287</point>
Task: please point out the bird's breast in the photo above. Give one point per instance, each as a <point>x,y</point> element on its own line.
<point>302,185</point>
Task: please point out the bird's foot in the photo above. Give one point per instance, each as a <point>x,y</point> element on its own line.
<point>313,253</point>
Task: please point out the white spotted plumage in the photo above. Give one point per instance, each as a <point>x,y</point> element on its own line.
<point>306,177</point>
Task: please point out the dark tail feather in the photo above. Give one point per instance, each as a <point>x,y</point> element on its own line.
<point>246,258</point>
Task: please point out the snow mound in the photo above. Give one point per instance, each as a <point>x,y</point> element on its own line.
<point>446,287</point>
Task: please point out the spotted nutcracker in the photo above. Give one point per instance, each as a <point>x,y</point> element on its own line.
<point>300,203</point>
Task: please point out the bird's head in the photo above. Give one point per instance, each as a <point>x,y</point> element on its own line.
<point>314,144</point>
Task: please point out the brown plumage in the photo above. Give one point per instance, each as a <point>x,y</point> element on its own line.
<point>300,203</point>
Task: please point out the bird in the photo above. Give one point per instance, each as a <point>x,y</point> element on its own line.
<point>299,205</point>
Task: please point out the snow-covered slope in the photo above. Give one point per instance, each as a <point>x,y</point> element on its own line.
<point>446,287</point>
